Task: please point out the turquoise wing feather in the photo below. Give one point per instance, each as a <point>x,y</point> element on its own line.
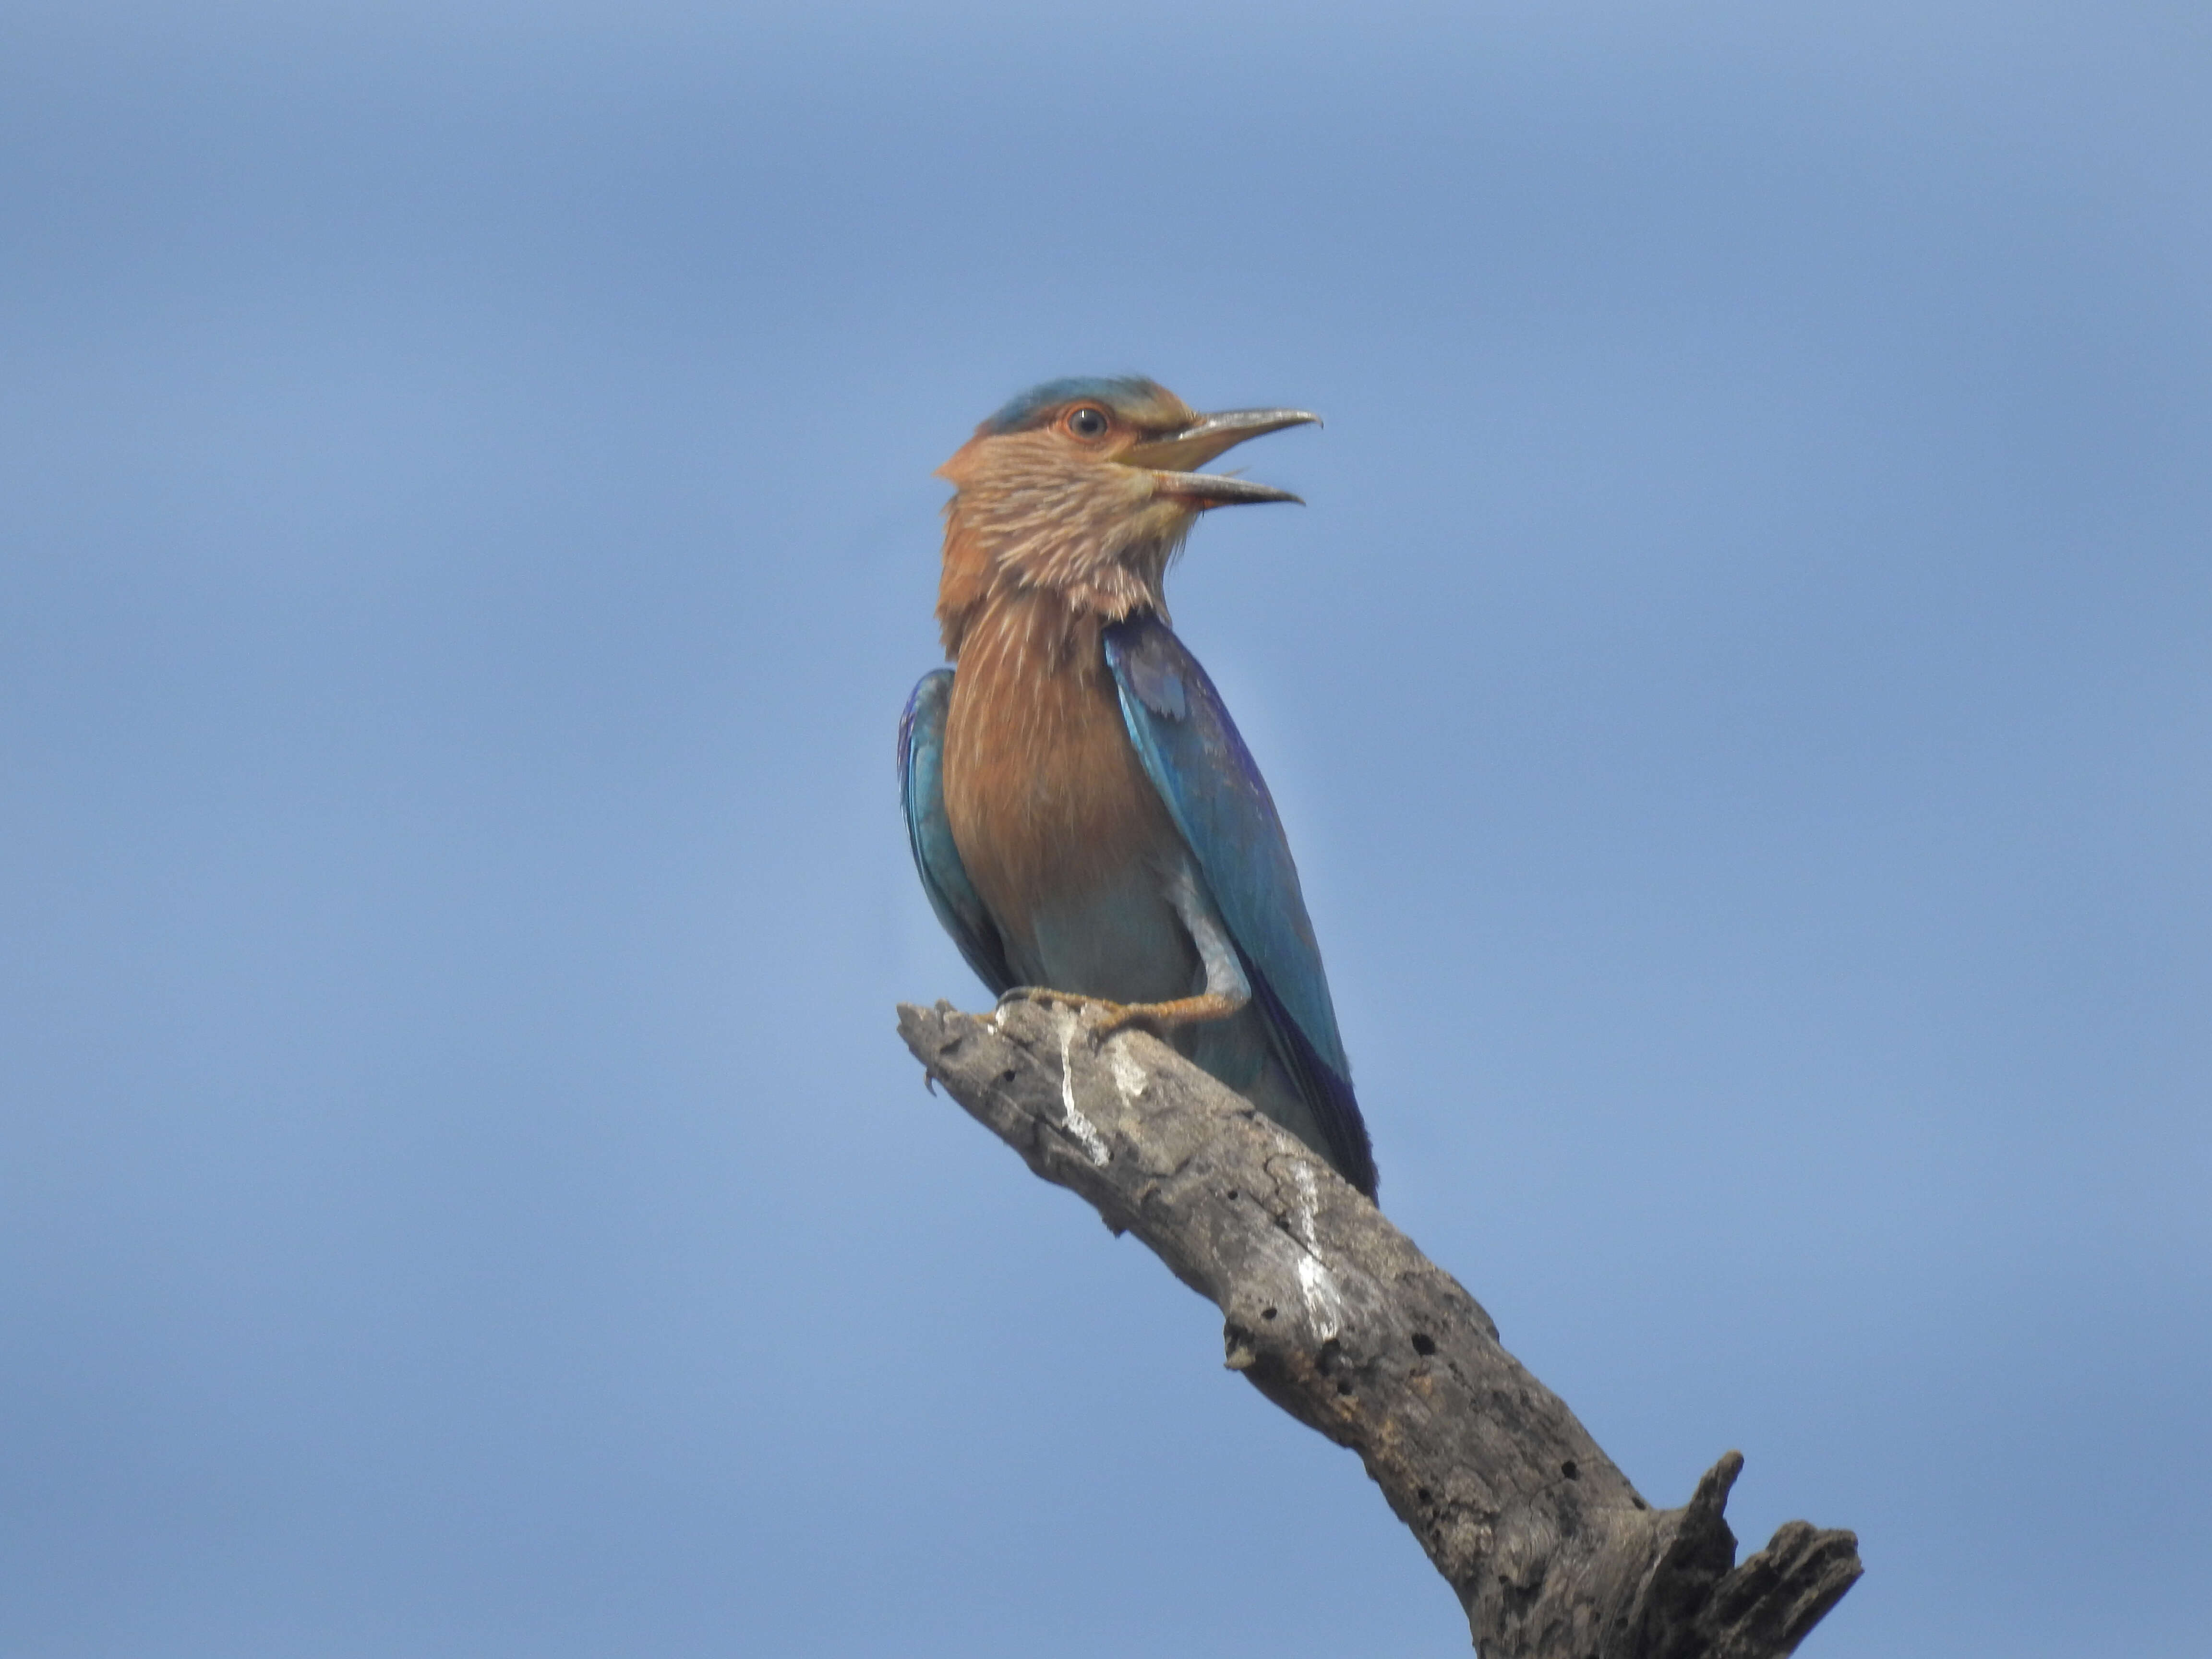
<point>1192,752</point>
<point>959,908</point>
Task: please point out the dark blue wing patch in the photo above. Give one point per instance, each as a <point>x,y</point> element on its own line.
<point>1326,1091</point>
<point>1192,752</point>
<point>922,788</point>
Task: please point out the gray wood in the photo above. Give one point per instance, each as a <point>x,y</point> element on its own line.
<point>1334,1314</point>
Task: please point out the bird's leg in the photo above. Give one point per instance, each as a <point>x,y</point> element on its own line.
<point>1119,1016</point>
<point>1160,1016</point>
<point>1226,991</point>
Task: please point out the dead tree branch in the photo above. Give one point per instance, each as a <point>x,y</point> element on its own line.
<point>1334,1314</point>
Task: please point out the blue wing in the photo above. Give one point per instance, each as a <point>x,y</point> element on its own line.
<point>1194,757</point>
<point>943,878</point>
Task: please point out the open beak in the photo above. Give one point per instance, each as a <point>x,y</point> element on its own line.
<point>1173,457</point>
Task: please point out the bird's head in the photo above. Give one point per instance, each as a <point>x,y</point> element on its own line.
<point>1086,488</point>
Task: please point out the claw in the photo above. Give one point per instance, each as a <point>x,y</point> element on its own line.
<point>1052,999</point>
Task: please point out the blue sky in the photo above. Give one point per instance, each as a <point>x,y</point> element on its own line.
<point>1738,694</point>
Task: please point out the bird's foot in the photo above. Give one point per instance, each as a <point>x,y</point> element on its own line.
<point>1052,999</point>
<point>1097,1015</point>
<point>1154,1017</point>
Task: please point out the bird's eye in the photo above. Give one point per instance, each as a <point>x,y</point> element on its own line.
<point>1087,423</point>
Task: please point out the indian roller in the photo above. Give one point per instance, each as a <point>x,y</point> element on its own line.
<point>1087,823</point>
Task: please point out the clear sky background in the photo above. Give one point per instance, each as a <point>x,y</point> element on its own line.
<point>1739,695</point>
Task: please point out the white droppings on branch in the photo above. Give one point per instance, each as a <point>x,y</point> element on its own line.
<point>1084,1131</point>
<point>1324,1300</point>
<point>1308,1205</point>
<point>1128,1076</point>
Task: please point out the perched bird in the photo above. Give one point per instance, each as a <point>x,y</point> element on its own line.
<point>1088,824</point>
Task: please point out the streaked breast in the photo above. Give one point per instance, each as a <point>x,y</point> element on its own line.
<point>1049,804</point>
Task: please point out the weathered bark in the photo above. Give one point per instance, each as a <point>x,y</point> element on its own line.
<point>1334,1314</point>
